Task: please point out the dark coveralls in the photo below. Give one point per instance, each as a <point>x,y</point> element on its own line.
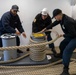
<point>68,45</point>
<point>8,24</point>
<point>39,24</point>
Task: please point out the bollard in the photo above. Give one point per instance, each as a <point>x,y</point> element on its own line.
<point>9,40</point>
<point>38,53</point>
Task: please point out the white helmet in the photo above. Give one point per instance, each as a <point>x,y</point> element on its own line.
<point>44,11</point>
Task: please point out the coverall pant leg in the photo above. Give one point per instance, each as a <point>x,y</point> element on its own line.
<point>63,44</point>
<point>68,51</point>
<point>17,41</point>
<point>0,42</point>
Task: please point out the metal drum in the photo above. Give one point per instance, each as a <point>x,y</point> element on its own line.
<point>38,53</point>
<point>9,40</point>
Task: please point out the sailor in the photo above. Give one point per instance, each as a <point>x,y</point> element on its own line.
<point>41,21</point>
<point>10,23</point>
<point>68,45</point>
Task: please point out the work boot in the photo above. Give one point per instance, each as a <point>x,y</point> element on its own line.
<point>54,51</point>
<point>28,49</point>
<point>58,55</point>
<point>65,71</point>
<point>19,51</point>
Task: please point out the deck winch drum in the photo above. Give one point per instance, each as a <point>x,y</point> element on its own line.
<point>9,40</point>
<point>38,53</point>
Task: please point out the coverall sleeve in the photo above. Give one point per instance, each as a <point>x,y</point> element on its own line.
<point>19,26</point>
<point>71,29</point>
<point>6,24</point>
<point>53,24</point>
<point>35,24</point>
<point>49,22</point>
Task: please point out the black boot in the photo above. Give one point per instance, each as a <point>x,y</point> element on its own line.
<point>59,55</point>
<point>28,49</point>
<point>65,71</point>
<point>54,51</point>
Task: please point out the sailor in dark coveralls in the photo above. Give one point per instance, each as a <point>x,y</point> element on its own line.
<point>41,21</point>
<point>68,45</point>
<point>10,21</point>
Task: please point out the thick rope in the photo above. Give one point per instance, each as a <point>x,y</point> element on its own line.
<point>36,66</point>
<point>39,67</point>
<point>27,46</point>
